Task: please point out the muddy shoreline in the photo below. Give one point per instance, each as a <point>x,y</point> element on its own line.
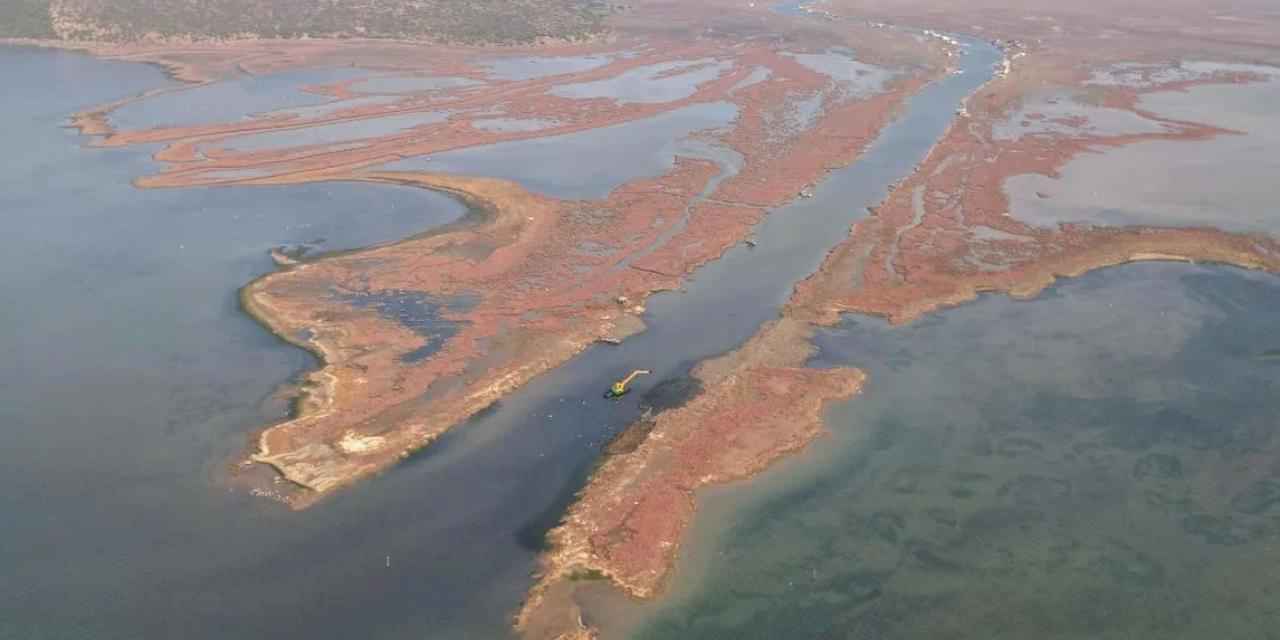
<point>306,397</point>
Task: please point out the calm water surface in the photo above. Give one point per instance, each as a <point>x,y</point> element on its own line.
<point>129,378</point>
<point>584,164</point>
<point>1100,462</point>
<point>1227,181</point>
<point>229,100</point>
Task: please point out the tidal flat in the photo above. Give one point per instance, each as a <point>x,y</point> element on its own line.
<point>1097,462</point>
<point>1225,182</point>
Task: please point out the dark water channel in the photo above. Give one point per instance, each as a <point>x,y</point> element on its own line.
<point>127,376</point>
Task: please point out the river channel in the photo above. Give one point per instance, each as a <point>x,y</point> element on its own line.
<point>129,376</point>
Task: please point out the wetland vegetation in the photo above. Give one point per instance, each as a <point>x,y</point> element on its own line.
<point>1098,462</point>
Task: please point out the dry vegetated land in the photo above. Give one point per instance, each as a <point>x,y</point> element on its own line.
<point>471,21</point>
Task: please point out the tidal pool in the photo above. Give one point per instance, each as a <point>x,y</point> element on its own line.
<point>418,312</point>
<point>514,124</point>
<point>1141,75</point>
<point>757,75</point>
<point>663,82</point>
<point>334,133</point>
<point>585,164</point>
<point>1099,462</point>
<point>229,100</point>
<point>532,67</point>
<point>1064,113</point>
<point>412,84</point>
<point>851,77</point>
<point>330,108</point>
<point>1226,182</point>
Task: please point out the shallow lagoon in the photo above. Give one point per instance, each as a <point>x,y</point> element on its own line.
<point>412,84</point>
<point>663,82</point>
<point>1099,462</point>
<point>1227,181</point>
<point>229,100</point>
<point>584,164</point>
<point>129,377</point>
<point>168,392</point>
<point>1064,113</point>
<point>335,133</point>
<point>533,67</point>
<point>851,77</point>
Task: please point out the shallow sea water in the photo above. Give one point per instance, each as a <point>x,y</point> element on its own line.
<point>1101,462</point>
<point>1226,181</point>
<point>412,84</point>
<point>663,82</point>
<point>229,100</point>
<point>584,164</point>
<point>533,67</point>
<point>1094,463</point>
<point>129,378</point>
<point>336,133</point>
<point>1122,424</point>
<point>853,78</point>
<point>1056,112</point>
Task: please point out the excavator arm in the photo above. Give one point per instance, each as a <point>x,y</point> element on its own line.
<point>633,375</point>
<point>622,386</point>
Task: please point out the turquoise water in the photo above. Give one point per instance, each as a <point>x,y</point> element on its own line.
<point>1101,462</point>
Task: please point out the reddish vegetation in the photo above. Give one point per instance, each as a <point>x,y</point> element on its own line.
<point>922,248</point>
<point>942,237</point>
<point>541,298</point>
<point>760,404</point>
<point>548,277</point>
<point>544,277</point>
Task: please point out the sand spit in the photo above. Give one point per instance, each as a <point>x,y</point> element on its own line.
<point>760,404</point>
<point>538,300</point>
<point>418,335</point>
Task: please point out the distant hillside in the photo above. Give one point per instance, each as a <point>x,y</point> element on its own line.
<point>466,21</point>
<point>25,19</point>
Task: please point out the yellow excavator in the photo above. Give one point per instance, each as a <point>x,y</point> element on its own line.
<point>621,387</point>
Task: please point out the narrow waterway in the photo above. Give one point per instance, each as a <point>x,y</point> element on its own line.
<point>114,421</point>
